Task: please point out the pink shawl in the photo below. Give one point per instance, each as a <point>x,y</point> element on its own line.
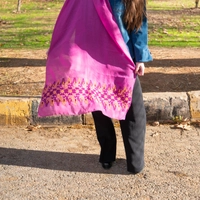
<point>89,67</point>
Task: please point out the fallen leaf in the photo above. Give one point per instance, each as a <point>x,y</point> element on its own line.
<point>183,126</point>
<point>155,134</point>
<point>32,127</point>
<point>156,123</point>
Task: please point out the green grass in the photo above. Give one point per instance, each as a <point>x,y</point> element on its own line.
<point>184,36</point>
<point>171,23</point>
<point>174,23</point>
<point>170,4</point>
<point>32,27</point>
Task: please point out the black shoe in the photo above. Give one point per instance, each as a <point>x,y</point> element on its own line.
<point>106,165</point>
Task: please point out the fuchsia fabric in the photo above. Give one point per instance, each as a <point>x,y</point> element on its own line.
<point>88,67</point>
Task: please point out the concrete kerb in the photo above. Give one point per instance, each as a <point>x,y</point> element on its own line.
<point>159,107</point>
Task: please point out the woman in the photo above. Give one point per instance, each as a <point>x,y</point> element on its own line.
<point>131,18</point>
<point>90,69</point>
<point>88,66</point>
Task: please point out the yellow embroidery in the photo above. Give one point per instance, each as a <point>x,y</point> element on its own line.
<point>78,91</point>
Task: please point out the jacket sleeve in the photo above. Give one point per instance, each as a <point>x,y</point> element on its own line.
<point>139,40</point>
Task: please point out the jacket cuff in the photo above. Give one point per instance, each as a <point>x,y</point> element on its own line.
<point>142,54</point>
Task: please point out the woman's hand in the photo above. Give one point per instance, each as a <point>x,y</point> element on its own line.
<point>139,68</point>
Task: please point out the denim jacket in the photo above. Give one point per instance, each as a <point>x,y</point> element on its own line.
<point>136,41</point>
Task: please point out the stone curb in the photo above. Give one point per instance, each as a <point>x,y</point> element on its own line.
<point>159,107</point>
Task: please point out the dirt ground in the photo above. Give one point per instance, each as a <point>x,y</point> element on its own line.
<point>62,162</point>
<point>58,163</point>
<point>22,72</point>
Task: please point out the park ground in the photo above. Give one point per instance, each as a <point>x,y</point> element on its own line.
<point>61,162</point>
<point>57,163</point>
<point>22,72</point>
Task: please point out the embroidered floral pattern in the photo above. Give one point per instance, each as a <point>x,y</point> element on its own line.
<point>78,91</point>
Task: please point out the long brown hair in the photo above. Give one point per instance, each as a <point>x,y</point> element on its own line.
<point>133,15</point>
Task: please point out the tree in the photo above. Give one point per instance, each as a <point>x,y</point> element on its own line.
<point>197,3</point>
<point>19,5</point>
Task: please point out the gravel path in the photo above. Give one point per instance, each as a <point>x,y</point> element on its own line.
<point>56,163</point>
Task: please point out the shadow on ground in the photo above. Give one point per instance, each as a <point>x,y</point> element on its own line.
<point>21,62</point>
<point>74,162</point>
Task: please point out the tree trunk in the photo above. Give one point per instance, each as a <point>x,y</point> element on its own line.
<point>19,5</point>
<point>197,3</point>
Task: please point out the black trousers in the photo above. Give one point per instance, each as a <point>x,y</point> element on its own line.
<point>133,132</point>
